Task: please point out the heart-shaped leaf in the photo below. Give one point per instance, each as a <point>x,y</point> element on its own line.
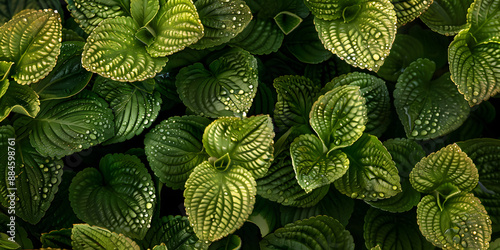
<point>339,117</point>
<point>287,21</point>
<point>85,236</point>
<point>143,11</point>
<point>372,174</point>
<point>408,10</point>
<point>32,40</point>
<point>18,98</point>
<point>261,36</point>
<point>460,222</point>
<point>174,148</point>
<point>225,89</point>
<point>89,13</point>
<point>248,142</point>
<point>313,166</point>
<point>119,196</point>
<point>113,51</point>
<point>405,153</point>
<point>174,231</point>
<point>401,202</point>
<point>218,202</point>
<point>428,108</point>
<point>447,171</point>
<point>446,17</point>
<point>364,37</point>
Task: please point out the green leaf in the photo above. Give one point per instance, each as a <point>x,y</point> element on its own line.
<point>119,196</point>
<point>32,40</point>
<point>435,45</point>
<point>287,21</point>
<point>18,98</point>
<point>260,37</point>
<point>296,95</point>
<point>372,175</point>
<point>174,148</point>
<point>6,243</point>
<point>5,68</point>
<point>408,10</point>
<point>328,9</point>
<point>174,231</point>
<point>8,8</point>
<point>57,239</point>
<point>249,142</point>
<point>363,39</point>
<point>231,242</point>
<point>446,17</point>
<point>177,25</point>
<point>162,246</point>
<point>222,20</point>
<point>89,13</point>
<point>36,177</point>
<point>339,117</point>
<point>483,17</point>
<point>460,222</point>
<point>21,234</point>
<point>428,108</point>
<point>401,202</point>
<point>113,51</point>
<point>71,125</point>
<point>68,77</point>
<point>405,153</point>
<point>85,236</point>
<point>375,92</point>
<point>225,89</point>
<point>321,232</point>
<point>143,11</point>
<point>265,215</point>
<point>313,166</point>
<point>134,109</point>
<point>393,231</point>
<point>218,202</point>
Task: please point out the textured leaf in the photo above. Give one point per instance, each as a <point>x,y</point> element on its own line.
<point>287,21</point>
<point>327,9</point>
<point>408,10</point>
<point>484,19</point>
<point>435,45</point>
<point>143,11</point>
<point>362,38</point>
<point>134,109</point>
<point>405,153</point>
<point>405,50</point>
<point>113,51</point>
<point>174,148</point>
<point>372,175</point>
<point>18,98</point>
<point>89,13</point>
<point>9,8</point>
<point>177,25</point>
<point>231,242</point>
<point>305,44</point>
<point>248,142</point>
<point>57,239</point>
<point>225,89</point>
<point>21,234</point>
<point>260,37</point>
<point>174,231</point>
<point>264,101</point>
<point>85,236</point>
<point>119,196</point>
<point>428,108</point>
<point>321,232</point>
<point>265,215</point>
<point>313,166</point>
<point>36,177</point>
<point>32,40</point>
<point>401,202</point>
<point>339,117</point>
<point>5,68</point>
<point>446,17</point>
<point>218,202</point>
<point>461,222</point>
<point>68,77</point>
<point>222,20</point>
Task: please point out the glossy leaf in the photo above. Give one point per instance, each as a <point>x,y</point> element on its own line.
<point>231,242</point>
<point>222,20</point>
<point>364,36</point>
<point>9,9</point>
<point>428,108</point>
<point>447,171</point>
<point>287,21</point>
<point>460,222</point>
<point>248,142</point>
<point>218,202</point>
<point>321,232</point>
<point>339,117</point>
<point>5,68</point>
<point>143,11</point>
<point>372,175</point>
<point>174,148</point>
<point>260,37</point>
<point>446,17</point>
<point>313,166</point>
<point>134,109</point>
<point>483,17</point>
<point>226,88</point>
<point>57,239</point>
<point>119,196</point>
<point>405,50</point>
<point>327,9</point>
<point>88,14</point>
<point>265,215</point>
<point>18,98</point>
<point>32,40</point>
<point>405,153</point>
<point>408,10</point>
<point>401,202</point>
<point>305,44</point>
<point>85,236</point>
<point>174,231</point>
<point>113,51</point>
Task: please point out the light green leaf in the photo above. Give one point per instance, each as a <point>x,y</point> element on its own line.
<point>134,109</point>
<point>405,153</point>
<point>85,237</point>
<point>176,26</point>
<point>36,177</point>
<point>32,40</point>
<point>218,202</point>
<point>6,243</point>
<point>222,20</point>
<point>265,215</point>
<point>408,10</point>
<point>89,13</point>
<point>447,171</point>
<point>364,37</point>
<point>143,11</point>
<point>287,21</point>
<point>401,202</point>
<point>119,196</point>
<point>321,232</point>
<point>174,231</point>
<point>460,222</point>
<point>9,8</point>
<point>174,148</point>
<point>446,17</point>
<point>162,246</point>
<point>428,108</point>
<point>225,89</point>
<point>248,142</point>
<point>260,37</point>
<point>18,98</point>
<point>231,242</point>
<point>328,9</point>
<point>113,51</point>
<point>21,234</point>
<point>68,77</point>
<point>5,68</point>
<point>339,117</point>
<point>372,175</point>
<point>484,19</point>
<point>313,166</point>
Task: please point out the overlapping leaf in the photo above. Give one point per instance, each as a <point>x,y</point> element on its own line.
<point>18,98</point>
<point>287,21</point>
<point>57,239</point>
<point>9,9</point>
<point>305,44</point>
<point>85,236</point>
<point>401,202</point>
<point>327,9</point>
<point>261,36</point>
<point>174,231</point>
<point>446,17</point>
<point>408,10</point>
<point>405,50</point>
<point>88,14</point>
<point>143,11</point>
<point>405,153</point>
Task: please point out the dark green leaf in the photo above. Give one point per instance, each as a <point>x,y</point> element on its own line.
<point>6,243</point>
<point>446,17</point>
<point>287,21</point>
<point>57,239</point>
<point>231,242</point>
<point>85,237</point>
<point>89,13</point>
<point>260,37</point>
<point>405,153</point>
<point>408,10</point>
<point>305,44</point>
<point>143,11</point>
<point>484,19</point>
<point>174,231</point>
<point>18,98</point>
<point>401,202</point>
<point>21,234</point>
<point>265,215</point>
